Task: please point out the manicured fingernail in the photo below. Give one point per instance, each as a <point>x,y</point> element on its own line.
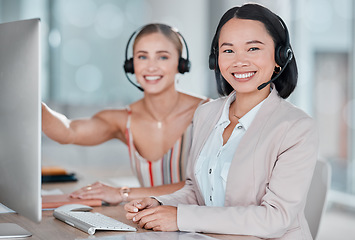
<point>134,219</point>
<point>135,210</point>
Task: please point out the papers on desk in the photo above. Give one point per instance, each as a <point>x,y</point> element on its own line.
<point>156,236</point>
<point>55,191</point>
<point>54,198</point>
<point>54,201</point>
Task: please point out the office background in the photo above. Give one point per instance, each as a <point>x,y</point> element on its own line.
<point>83,44</point>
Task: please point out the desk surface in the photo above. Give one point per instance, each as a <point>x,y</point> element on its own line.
<point>53,229</point>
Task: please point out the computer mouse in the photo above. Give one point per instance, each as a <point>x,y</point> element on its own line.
<point>74,207</point>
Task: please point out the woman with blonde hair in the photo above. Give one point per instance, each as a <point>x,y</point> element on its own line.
<point>156,128</point>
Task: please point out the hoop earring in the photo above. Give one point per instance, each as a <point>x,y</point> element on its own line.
<point>277,69</point>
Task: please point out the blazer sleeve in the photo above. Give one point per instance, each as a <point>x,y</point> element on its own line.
<point>185,195</point>
<point>284,197</point>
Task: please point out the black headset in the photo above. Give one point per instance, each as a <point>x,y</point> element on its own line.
<point>184,63</point>
<point>283,54</point>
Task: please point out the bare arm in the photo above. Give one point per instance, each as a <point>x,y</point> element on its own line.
<point>136,193</point>
<point>90,131</point>
<point>112,194</point>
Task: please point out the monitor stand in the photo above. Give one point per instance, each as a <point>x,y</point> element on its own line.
<point>12,230</point>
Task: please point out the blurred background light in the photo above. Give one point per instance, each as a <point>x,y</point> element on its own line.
<point>80,13</point>
<point>109,21</point>
<point>76,52</point>
<point>88,78</point>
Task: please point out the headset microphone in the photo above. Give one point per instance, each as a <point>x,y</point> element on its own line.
<point>136,85</point>
<point>279,73</point>
<point>283,55</point>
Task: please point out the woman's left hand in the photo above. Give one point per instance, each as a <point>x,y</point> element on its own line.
<point>161,218</point>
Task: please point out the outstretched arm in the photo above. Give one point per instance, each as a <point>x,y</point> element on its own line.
<point>90,131</point>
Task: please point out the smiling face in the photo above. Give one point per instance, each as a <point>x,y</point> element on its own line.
<point>246,55</point>
<point>155,60</point>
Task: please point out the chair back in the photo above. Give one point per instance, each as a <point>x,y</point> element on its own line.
<point>317,195</point>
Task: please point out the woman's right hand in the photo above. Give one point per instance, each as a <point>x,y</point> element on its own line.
<point>134,206</point>
<point>101,191</point>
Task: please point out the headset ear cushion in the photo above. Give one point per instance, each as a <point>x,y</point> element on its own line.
<point>282,55</point>
<point>212,61</point>
<point>184,65</point>
<point>128,66</point>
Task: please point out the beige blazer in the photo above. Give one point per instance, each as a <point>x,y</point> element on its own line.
<point>268,179</point>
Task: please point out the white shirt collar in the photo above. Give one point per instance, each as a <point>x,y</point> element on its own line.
<point>225,113</point>
<point>245,121</point>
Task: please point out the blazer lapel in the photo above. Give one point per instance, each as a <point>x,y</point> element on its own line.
<point>208,122</point>
<point>203,130</point>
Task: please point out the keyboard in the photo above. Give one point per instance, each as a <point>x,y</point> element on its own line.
<point>89,222</point>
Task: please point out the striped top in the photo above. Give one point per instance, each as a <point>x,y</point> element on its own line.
<point>169,169</point>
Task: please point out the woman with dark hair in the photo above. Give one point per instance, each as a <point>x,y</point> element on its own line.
<point>156,128</point>
<point>253,153</point>
<point>285,83</point>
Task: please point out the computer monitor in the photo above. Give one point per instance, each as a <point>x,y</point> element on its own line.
<point>20,119</point>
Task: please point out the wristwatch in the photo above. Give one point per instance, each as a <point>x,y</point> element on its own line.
<point>124,191</point>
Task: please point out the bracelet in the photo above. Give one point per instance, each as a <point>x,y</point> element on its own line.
<point>124,191</point>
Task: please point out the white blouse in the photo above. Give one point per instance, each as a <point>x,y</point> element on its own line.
<point>215,158</point>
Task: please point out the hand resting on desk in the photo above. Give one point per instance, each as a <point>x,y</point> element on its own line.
<point>113,196</point>
<point>99,190</point>
<point>149,214</point>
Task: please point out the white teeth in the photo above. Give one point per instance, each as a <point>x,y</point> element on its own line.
<point>244,75</point>
<point>152,78</point>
